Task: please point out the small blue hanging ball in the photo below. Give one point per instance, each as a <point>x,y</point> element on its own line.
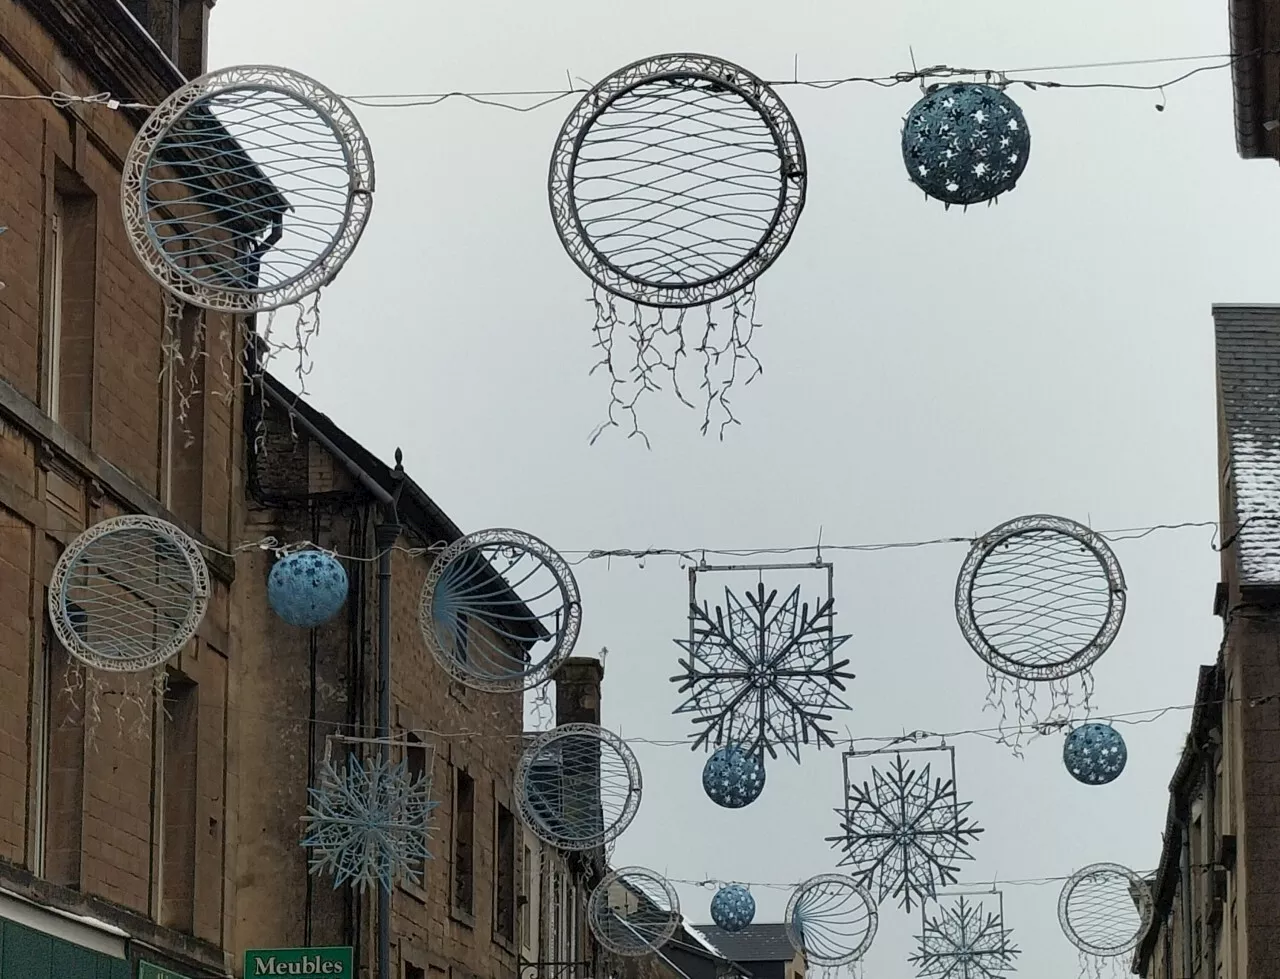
<point>1095,754</point>
<point>733,907</point>
<point>732,777</point>
<point>965,144</point>
<point>307,588</point>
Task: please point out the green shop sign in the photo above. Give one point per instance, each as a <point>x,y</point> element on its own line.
<point>299,962</point>
<point>147,970</point>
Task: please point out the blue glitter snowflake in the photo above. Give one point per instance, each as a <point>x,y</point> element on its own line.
<point>733,907</point>
<point>903,831</point>
<point>368,822</point>
<point>733,778</point>
<point>761,675</point>
<point>964,941</point>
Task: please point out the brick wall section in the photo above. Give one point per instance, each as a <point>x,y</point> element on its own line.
<point>16,539</point>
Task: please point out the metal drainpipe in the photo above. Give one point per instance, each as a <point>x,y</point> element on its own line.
<point>1211,834</point>
<point>385,535</point>
<point>1185,887</point>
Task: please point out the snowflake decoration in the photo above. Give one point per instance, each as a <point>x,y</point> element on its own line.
<point>964,941</point>
<point>903,831</point>
<point>762,674</point>
<point>369,822</point>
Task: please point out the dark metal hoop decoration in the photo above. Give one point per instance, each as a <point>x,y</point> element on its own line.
<point>1040,597</point>
<point>128,594</point>
<point>677,180</point>
<point>578,786</point>
<point>247,189</point>
<point>633,911</point>
<point>1105,909</point>
<point>490,598</point>
<point>831,920</point>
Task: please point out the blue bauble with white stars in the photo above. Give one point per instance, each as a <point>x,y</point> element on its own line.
<point>733,907</point>
<point>307,588</point>
<point>1095,754</point>
<point>733,777</point>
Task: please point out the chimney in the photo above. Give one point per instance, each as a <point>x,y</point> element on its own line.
<point>578,691</point>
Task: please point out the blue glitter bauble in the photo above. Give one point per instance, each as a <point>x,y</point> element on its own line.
<point>307,588</point>
<point>1095,754</point>
<point>733,907</point>
<point>965,144</point>
<point>732,777</point>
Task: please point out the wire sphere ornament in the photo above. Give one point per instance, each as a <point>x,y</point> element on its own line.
<point>247,189</point>
<point>831,920</point>
<point>904,832</point>
<point>965,144</point>
<point>578,786</point>
<point>676,182</point>
<point>733,907</point>
<point>964,941</point>
<point>633,911</point>
<point>1095,754</point>
<point>307,588</point>
<point>733,777</point>
<point>128,594</point>
<point>1105,909</point>
<point>500,610</point>
<point>368,822</point>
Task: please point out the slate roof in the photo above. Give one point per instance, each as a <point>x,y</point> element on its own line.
<point>755,943</point>
<point>1248,347</point>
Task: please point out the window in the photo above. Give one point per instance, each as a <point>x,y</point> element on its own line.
<point>60,766</point>
<point>412,971</point>
<point>415,755</point>
<point>182,470</point>
<point>504,884</point>
<point>526,897</point>
<point>177,776</point>
<point>464,803</point>
<point>68,349</point>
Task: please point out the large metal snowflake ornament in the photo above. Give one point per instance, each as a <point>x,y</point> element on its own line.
<point>368,822</point>
<point>762,674</point>
<point>964,941</point>
<point>903,831</point>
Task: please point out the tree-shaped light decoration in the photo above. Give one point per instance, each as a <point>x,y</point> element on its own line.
<point>762,673</point>
<point>904,830</point>
<point>674,184</point>
<point>368,821</point>
<point>963,940</point>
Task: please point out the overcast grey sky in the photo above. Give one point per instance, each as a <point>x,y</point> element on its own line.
<point>927,373</point>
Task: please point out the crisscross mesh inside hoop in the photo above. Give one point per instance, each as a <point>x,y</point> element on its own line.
<point>128,593</point>
<point>1040,598</point>
<point>247,189</point>
<point>500,610</point>
<point>831,919</point>
<point>1105,909</point>
<point>677,180</point>
<point>633,911</point>
<point>578,786</point>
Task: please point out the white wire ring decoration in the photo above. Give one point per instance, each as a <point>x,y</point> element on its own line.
<point>247,189</point>
<point>1105,909</point>
<point>831,920</point>
<point>633,911</point>
<point>578,786</point>
<point>1040,597</point>
<point>128,594</point>
<point>489,599</point>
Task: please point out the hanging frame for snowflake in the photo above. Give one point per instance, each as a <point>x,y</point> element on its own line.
<point>733,778</point>
<point>762,673</point>
<point>1105,909</point>
<point>831,920</point>
<point>903,832</point>
<point>675,183</point>
<point>965,144</point>
<point>1040,599</point>
<point>247,189</point>
<point>128,594</point>
<point>633,911</point>
<point>500,610</point>
<point>1094,754</point>
<point>962,939</point>
<point>368,821</point>
<point>733,908</point>
<point>578,786</point>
